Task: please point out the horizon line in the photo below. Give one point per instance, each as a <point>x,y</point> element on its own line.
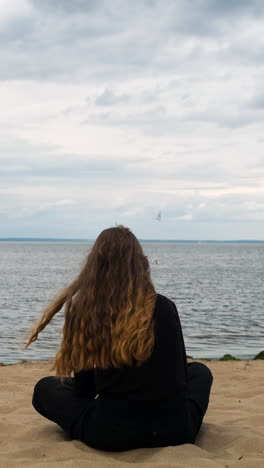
<point>61,239</point>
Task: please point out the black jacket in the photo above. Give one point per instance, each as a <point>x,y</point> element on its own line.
<point>162,376</point>
<point>148,401</point>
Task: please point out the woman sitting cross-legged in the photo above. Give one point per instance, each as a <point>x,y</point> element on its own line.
<point>122,379</point>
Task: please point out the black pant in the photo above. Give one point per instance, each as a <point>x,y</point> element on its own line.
<point>58,402</point>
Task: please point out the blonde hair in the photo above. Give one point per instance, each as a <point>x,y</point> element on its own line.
<point>108,309</point>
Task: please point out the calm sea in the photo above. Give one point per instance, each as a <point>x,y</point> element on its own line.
<point>218,289</point>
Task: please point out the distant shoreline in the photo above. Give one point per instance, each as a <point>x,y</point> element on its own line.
<point>179,241</point>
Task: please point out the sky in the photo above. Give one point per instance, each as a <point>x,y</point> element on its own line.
<point>144,113</point>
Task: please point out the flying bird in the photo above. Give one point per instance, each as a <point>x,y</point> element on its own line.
<point>158,217</point>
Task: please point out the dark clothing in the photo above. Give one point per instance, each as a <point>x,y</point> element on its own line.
<point>161,377</point>
<point>158,404</point>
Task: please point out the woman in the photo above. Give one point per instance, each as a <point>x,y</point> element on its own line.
<point>131,385</point>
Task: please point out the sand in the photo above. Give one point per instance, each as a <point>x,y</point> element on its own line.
<point>232,434</point>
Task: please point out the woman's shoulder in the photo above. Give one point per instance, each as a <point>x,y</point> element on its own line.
<point>162,299</point>
<point>163,302</point>
<point>166,311</point>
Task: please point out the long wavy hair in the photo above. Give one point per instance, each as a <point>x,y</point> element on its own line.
<point>108,308</point>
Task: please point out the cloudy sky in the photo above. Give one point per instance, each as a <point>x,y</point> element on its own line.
<point>114,111</point>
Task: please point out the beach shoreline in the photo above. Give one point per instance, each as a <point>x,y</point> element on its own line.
<point>225,357</point>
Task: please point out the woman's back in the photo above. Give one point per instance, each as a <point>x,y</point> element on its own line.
<point>161,376</point>
<point>149,401</point>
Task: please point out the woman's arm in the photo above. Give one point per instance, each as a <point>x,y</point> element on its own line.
<point>170,355</point>
<point>181,340</point>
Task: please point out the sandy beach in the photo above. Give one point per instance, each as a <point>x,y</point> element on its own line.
<point>232,434</point>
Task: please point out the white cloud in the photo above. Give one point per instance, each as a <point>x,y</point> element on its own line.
<point>13,9</point>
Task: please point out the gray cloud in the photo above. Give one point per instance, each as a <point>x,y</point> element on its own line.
<point>109,98</point>
<point>16,30</point>
<point>226,7</point>
<point>120,39</point>
<point>156,120</point>
<point>67,6</point>
<point>255,102</point>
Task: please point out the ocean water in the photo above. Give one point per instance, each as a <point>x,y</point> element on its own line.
<point>218,290</point>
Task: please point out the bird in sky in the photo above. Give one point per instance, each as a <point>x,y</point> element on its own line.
<point>158,217</point>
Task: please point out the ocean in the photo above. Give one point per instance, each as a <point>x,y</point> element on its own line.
<point>218,289</point>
